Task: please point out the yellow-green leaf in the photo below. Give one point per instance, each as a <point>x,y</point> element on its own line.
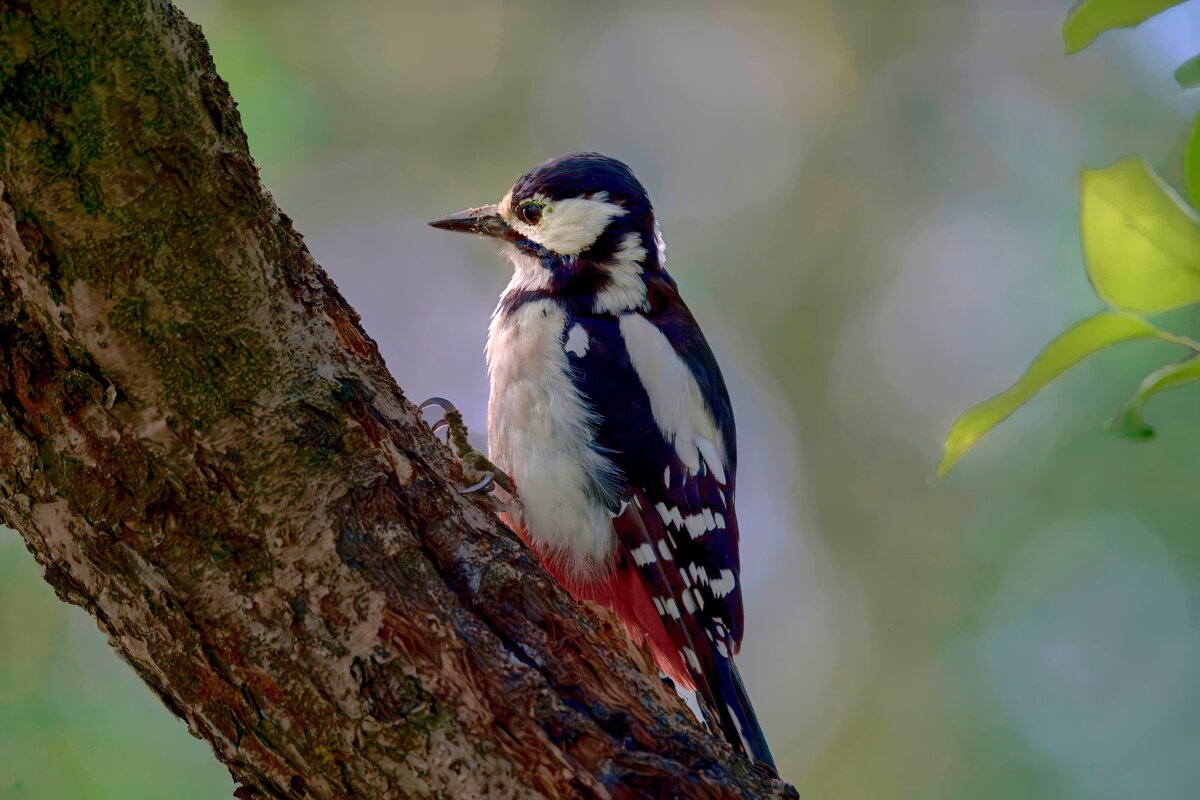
<point>1078,342</point>
<point>1141,241</point>
<point>1090,18</point>
<point>1187,74</point>
<point>1129,420</point>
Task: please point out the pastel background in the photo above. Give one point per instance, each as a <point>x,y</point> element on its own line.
<point>871,208</point>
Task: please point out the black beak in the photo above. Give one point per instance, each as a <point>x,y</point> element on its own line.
<point>485,221</point>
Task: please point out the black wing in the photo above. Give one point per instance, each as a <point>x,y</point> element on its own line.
<point>677,525</point>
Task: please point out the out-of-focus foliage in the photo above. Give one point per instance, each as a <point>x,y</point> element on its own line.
<point>870,207</point>
<point>1187,74</point>
<point>1191,166</point>
<point>1141,243</point>
<point>1090,18</point>
<point>1077,343</point>
<point>1129,420</point>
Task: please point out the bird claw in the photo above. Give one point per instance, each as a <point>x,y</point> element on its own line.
<point>443,422</point>
<point>441,402</point>
<point>485,484</point>
<point>451,422</point>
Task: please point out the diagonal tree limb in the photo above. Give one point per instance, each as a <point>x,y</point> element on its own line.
<point>204,450</point>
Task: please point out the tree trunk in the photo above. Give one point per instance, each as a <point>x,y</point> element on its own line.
<point>201,447</point>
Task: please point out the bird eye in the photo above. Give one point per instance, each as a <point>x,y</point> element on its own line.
<point>530,213</point>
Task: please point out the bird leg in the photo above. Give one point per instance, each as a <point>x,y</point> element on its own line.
<point>474,462</point>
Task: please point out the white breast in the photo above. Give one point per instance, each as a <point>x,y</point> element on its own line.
<point>540,430</point>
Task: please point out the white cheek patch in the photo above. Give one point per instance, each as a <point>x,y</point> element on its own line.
<point>570,226</point>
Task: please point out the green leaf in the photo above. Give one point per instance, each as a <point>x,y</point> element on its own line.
<point>1090,18</point>
<point>1078,342</point>
<point>1187,74</point>
<point>1141,241</point>
<point>1129,421</point>
<point>1191,166</point>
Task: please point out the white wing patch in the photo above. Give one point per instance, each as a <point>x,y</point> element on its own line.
<point>714,460</point>
<point>675,398</point>
<point>643,554</point>
<point>723,585</point>
<point>670,516</point>
<point>577,341</point>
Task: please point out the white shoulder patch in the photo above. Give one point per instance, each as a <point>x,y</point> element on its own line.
<point>675,398</point>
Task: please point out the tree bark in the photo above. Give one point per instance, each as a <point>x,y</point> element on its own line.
<point>203,449</point>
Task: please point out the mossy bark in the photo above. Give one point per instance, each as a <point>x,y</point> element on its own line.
<point>203,449</point>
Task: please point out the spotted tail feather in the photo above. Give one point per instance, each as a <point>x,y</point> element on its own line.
<point>694,647</point>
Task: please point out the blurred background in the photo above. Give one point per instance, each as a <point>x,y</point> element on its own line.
<point>871,208</point>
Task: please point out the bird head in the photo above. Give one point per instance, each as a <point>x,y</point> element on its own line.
<point>582,218</point>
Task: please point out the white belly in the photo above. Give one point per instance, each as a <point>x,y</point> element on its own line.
<point>540,431</point>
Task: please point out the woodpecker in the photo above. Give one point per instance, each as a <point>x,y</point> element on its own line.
<point>609,415</point>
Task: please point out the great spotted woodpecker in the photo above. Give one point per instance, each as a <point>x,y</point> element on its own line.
<point>609,414</point>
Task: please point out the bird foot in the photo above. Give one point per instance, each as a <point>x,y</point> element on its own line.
<point>474,462</point>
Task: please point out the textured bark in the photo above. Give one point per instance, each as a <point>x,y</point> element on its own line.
<point>203,449</point>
